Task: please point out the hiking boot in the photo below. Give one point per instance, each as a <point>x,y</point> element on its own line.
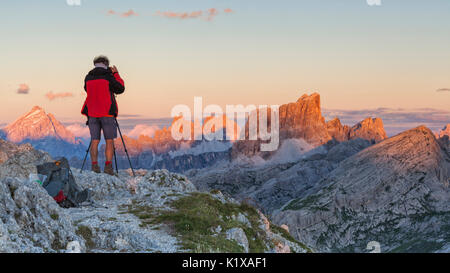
<point>109,170</point>
<point>96,168</point>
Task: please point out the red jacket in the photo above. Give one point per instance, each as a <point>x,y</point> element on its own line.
<point>101,86</point>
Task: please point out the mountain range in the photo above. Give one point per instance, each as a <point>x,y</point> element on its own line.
<point>44,132</point>
<point>334,187</point>
<point>300,120</point>
<point>303,120</point>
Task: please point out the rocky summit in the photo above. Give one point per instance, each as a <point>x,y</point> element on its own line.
<point>156,211</point>
<point>444,132</point>
<point>37,124</point>
<point>395,193</point>
<point>44,132</point>
<point>303,120</point>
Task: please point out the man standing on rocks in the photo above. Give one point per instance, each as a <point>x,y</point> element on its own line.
<point>102,84</point>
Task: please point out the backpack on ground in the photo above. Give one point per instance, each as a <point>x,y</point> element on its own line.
<point>60,184</point>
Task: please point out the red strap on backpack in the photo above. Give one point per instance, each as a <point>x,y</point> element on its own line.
<point>60,197</point>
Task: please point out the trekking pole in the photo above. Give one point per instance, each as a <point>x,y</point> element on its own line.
<point>85,157</point>
<point>125,147</point>
<point>115,160</point>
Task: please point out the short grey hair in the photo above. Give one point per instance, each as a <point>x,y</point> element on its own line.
<point>101,59</point>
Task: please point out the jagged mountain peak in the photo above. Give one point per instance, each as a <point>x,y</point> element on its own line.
<point>303,119</point>
<point>370,128</point>
<point>35,125</point>
<point>444,132</point>
<point>313,97</point>
<point>413,149</point>
<point>37,108</point>
<point>36,112</point>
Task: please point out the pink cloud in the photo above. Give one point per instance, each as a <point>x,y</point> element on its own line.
<point>207,15</point>
<point>78,130</point>
<point>52,96</point>
<point>180,15</point>
<point>212,13</point>
<point>127,14</point>
<point>142,129</point>
<point>23,89</point>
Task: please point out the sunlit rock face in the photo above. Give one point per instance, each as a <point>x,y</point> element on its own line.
<point>395,192</point>
<point>444,132</point>
<point>303,120</point>
<point>44,132</point>
<point>37,124</point>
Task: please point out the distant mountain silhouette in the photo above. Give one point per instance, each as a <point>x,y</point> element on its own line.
<point>44,132</point>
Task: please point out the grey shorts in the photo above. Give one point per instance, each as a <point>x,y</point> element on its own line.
<point>107,124</point>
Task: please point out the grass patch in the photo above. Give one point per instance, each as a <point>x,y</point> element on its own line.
<point>196,215</point>
<point>297,204</point>
<point>56,244</point>
<point>146,214</point>
<point>86,233</point>
<point>194,218</point>
<point>54,216</point>
<point>286,235</point>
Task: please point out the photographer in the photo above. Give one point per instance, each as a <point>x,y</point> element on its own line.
<point>102,84</point>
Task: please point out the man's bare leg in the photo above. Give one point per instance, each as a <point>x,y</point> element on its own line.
<point>109,157</point>
<point>109,153</point>
<point>94,156</point>
<point>94,150</point>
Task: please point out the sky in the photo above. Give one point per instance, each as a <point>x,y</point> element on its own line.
<point>358,57</point>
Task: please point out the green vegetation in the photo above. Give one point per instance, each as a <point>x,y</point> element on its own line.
<point>54,216</point>
<point>86,233</point>
<point>298,204</point>
<point>286,235</point>
<point>194,218</point>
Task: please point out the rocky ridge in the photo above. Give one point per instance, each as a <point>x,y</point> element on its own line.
<point>130,214</point>
<point>269,185</point>
<point>395,192</point>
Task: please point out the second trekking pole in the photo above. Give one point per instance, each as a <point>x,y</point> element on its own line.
<point>85,157</point>
<point>115,160</point>
<point>125,147</point>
